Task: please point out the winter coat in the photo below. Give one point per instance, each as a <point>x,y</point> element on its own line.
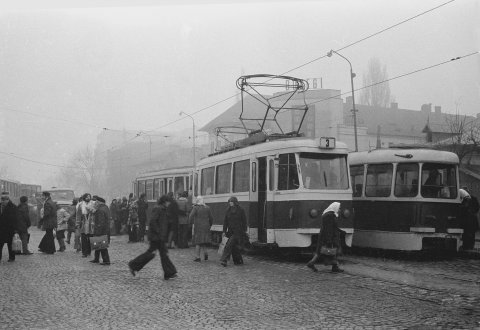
<point>8,222</point>
<point>49,220</point>
<point>158,228</point>
<point>132,213</point>
<point>172,212</point>
<point>87,210</point>
<point>183,211</point>
<point>202,219</point>
<point>235,222</point>
<point>329,232</point>
<point>23,218</point>
<point>62,219</point>
<point>101,220</point>
<point>142,210</point>
<point>72,219</point>
<point>114,212</point>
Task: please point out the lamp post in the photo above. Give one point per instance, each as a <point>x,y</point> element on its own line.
<point>352,75</point>
<point>193,136</point>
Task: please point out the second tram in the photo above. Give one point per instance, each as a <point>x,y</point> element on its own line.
<point>406,199</point>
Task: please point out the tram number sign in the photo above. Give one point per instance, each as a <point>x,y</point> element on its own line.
<point>327,142</point>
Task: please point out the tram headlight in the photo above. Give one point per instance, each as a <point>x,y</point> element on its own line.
<point>346,213</point>
<point>313,213</point>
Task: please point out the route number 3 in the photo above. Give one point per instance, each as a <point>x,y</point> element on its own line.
<point>327,142</point>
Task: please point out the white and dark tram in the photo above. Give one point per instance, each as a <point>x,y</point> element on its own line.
<point>283,185</point>
<point>406,199</point>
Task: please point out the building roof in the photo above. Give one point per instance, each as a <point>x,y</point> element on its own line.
<point>396,121</point>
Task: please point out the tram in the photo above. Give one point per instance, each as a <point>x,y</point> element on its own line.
<point>12,187</point>
<point>406,199</point>
<point>283,185</point>
<point>157,183</point>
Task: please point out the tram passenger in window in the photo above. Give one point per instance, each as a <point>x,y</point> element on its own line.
<point>431,187</point>
<point>235,228</point>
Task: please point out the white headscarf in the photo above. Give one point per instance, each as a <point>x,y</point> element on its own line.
<point>200,201</point>
<point>335,207</point>
<point>463,194</point>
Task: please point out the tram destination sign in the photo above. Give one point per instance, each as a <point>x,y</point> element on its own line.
<point>327,142</point>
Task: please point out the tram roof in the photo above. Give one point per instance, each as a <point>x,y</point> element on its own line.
<point>166,171</point>
<point>394,155</point>
<point>278,145</point>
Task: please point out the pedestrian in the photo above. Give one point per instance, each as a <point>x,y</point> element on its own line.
<point>183,220</point>
<point>157,235</point>
<point>49,224</point>
<point>86,209</point>
<point>72,220</point>
<point>23,223</point>
<point>117,225</point>
<point>124,214</point>
<point>235,228</point>
<point>62,226</point>
<point>172,215</point>
<point>132,223</point>
<point>8,224</point>
<point>202,219</point>
<point>469,209</point>
<point>78,225</point>
<point>328,242</point>
<point>142,216</point>
<point>101,227</point>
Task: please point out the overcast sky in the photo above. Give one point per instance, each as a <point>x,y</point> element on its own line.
<point>136,65</point>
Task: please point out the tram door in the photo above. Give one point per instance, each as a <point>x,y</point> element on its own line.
<point>262,199</point>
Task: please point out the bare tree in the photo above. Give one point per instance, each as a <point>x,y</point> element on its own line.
<point>464,135</point>
<point>377,95</point>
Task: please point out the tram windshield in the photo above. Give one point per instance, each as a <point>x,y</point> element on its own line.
<point>324,171</point>
<point>439,181</point>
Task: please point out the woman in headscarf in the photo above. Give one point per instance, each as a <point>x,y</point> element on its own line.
<point>235,228</point>
<point>202,219</point>
<point>329,238</point>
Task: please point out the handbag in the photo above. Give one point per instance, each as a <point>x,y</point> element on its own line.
<point>16,244</point>
<point>328,251</point>
<point>99,242</point>
<point>222,244</point>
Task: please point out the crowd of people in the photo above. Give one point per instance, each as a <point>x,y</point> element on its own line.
<point>173,223</point>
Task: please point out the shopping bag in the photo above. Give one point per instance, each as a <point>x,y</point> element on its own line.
<point>99,242</point>
<point>221,247</point>
<point>326,251</point>
<point>16,244</point>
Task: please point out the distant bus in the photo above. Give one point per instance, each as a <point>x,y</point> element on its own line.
<point>61,196</point>
<point>12,187</point>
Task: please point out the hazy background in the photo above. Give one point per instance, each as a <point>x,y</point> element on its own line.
<point>70,68</point>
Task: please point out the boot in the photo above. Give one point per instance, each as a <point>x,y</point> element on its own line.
<point>311,263</point>
<point>336,269</point>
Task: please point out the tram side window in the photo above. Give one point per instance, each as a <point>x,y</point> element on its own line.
<point>156,188</point>
<point>149,189</point>
<point>406,180</point>
<point>223,179</point>
<point>207,181</point>
<point>356,172</point>
<point>141,188</point>
<point>241,175</point>
<point>379,180</point>
<point>179,185</point>
<point>287,172</point>
<point>439,181</point>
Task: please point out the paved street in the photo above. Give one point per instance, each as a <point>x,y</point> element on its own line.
<point>66,291</point>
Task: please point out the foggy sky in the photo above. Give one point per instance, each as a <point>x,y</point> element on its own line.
<point>137,66</point>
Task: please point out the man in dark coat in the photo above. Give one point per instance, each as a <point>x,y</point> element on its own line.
<point>101,227</point>
<point>235,228</point>
<point>8,224</point>
<point>23,223</point>
<point>142,216</point>
<point>157,235</point>
<point>172,215</point>
<point>49,223</point>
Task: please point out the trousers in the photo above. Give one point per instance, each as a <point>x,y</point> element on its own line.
<point>139,262</point>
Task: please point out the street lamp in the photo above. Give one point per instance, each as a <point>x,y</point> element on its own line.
<point>193,136</point>
<point>352,75</point>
